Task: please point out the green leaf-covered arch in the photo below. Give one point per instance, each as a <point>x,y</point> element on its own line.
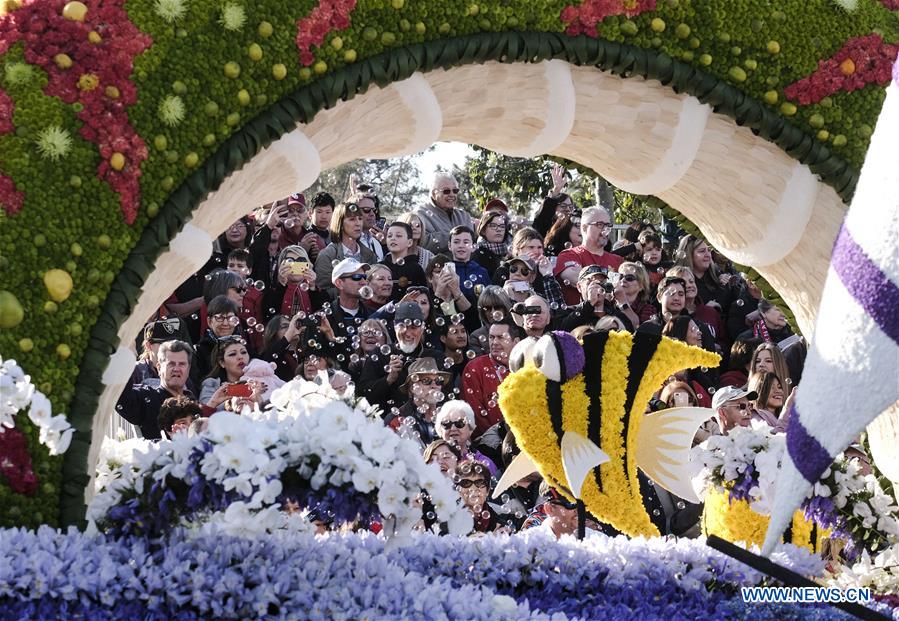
<point>175,180</point>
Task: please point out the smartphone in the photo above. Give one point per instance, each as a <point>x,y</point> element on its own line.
<point>298,268</point>
<point>240,389</point>
<point>449,267</point>
<point>680,399</point>
<point>520,286</point>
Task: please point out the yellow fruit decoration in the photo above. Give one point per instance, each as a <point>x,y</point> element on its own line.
<point>74,11</point>
<point>59,284</point>
<point>63,351</point>
<point>117,161</point>
<point>11,311</point>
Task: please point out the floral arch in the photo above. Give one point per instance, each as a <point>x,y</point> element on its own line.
<point>164,120</point>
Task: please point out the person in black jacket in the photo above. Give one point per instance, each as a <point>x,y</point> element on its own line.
<point>139,404</point>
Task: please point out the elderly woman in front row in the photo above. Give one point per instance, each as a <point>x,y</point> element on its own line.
<point>455,423</point>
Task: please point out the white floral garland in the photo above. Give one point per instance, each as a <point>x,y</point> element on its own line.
<point>880,574</point>
<point>725,458</point>
<point>329,441</point>
<point>17,393</point>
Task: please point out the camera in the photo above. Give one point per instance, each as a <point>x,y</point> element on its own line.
<point>521,309</point>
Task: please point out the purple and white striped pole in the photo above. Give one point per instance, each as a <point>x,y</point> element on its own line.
<point>851,374</point>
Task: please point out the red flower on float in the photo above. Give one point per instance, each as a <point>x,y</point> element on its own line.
<point>10,197</point>
<point>583,18</point>
<point>90,63</point>
<point>15,462</point>
<point>892,5</point>
<point>325,18</point>
<point>861,61</point>
<point>6,110</point>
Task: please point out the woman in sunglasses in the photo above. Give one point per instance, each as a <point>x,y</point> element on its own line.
<point>472,480</point>
<point>224,321</point>
<point>632,293</point>
<point>294,287</point>
<point>455,423</point>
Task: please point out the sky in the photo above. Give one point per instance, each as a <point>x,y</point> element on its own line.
<point>444,154</point>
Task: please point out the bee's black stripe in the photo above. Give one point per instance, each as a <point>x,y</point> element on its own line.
<point>814,537</point>
<point>554,405</point>
<point>594,349</point>
<point>788,533</point>
<point>642,352</point>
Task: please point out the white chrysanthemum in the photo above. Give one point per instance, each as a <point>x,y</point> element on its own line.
<point>54,142</point>
<point>849,6</point>
<point>170,10</point>
<point>233,16</point>
<point>172,110</point>
<point>19,73</point>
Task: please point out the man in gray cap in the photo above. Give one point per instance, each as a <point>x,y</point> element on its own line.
<point>731,405</point>
<point>596,300</point>
<point>383,376</point>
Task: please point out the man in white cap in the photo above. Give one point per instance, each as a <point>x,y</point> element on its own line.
<point>732,407</point>
<point>348,278</point>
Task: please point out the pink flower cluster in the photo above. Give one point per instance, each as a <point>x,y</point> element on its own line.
<point>6,110</point>
<point>10,197</point>
<point>15,462</point>
<point>90,63</point>
<point>583,18</point>
<point>861,61</point>
<point>327,16</point>
<point>892,5</point>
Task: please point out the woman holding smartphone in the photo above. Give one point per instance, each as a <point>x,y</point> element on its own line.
<point>229,357</point>
<point>294,287</point>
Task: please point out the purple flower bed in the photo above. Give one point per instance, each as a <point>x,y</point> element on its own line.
<point>51,575</point>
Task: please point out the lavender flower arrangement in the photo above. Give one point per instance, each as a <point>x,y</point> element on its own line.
<point>51,574</point>
<point>307,448</point>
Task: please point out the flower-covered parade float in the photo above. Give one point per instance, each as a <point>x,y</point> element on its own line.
<point>133,133</point>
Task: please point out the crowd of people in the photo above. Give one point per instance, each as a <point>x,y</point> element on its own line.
<point>419,315</point>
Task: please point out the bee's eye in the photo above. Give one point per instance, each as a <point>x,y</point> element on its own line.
<point>546,358</point>
<point>558,356</point>
<point>521,354</point>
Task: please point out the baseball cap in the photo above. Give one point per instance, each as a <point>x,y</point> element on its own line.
<point>495,204</point>
<point>729,393</point>
<point>296,199</point>
<point>347,266</point>
<point>591,270</point>
<point>162,331</point>
<point>408,310</point>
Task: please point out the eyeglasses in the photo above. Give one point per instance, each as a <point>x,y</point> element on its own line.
<point>222,318</point>
<point>603,226</point>
<point>239,289</point>
<point>372,333</point>
<point>497,226</point>
<point>458,424</point>
<point>352,208</point>
<point>448,191</point>
<point>489,309</point>
<point>466,483</point>
<point>740,406</point>
<point>231,338</point>
<point>525,271</point>
<point>354,277</point>
<point>296,212</point>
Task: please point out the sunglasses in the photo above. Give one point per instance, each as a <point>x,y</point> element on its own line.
<point>458,424</point>
<point>628,278</point>
<point>354,277</point>
<point>525,271</point>
<point>466,483</point>
<point>740,406</point>
<point>232,338</point>
<point>561,502</point>
<point>367,209</point>
<point>428,381</point>
<point>448,191</point>
<point>239,289</point>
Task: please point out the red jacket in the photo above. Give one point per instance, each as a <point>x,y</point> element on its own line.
<point>480,380</point>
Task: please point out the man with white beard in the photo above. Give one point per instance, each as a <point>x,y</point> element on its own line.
<point>384,372</point>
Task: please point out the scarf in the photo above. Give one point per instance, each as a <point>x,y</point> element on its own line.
<point>501,249</point>
<point>760,331</point>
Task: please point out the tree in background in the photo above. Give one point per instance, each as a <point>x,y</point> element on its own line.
<point>524,182</point>
<point>398,182</point>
